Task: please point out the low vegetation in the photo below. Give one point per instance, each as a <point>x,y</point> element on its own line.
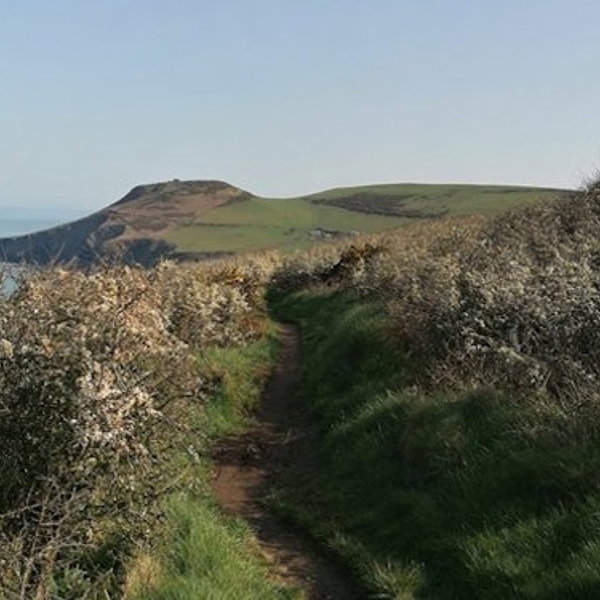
<point>452,375</point>
<point>451,368</point>
<point>102,378</point>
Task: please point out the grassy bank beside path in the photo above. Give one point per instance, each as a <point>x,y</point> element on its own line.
<point>442,495</point>
<point>199,553</point>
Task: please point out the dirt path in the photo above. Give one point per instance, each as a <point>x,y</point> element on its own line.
<point>247,466</point>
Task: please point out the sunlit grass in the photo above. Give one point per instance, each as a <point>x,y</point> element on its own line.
<point>204,557</point>
<point>200,553</point>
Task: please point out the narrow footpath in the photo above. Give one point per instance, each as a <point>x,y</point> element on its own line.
<point>248,465</point>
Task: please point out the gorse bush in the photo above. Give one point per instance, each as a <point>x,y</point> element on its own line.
<point>93,368</point>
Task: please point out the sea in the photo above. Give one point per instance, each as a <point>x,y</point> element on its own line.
<point>15,222</point>
<point>10,227</point>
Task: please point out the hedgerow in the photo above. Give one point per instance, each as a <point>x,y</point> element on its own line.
<point>95,367</point>
<point>94,371</point>
<point>510,302</point>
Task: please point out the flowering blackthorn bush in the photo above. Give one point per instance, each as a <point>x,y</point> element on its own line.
<point>93,368</point>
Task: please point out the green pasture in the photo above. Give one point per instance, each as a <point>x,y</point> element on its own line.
<point>290,223</point>
<point>457,199</point>
<point>272,223</point>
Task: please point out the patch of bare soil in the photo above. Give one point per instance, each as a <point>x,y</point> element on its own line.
<point>250,463</point>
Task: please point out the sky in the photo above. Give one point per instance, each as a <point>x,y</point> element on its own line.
<point>285,97</point>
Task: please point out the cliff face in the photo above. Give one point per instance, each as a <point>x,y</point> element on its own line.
<point>129,230</point>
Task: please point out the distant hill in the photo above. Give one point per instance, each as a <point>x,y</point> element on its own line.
<point>199,219</point>
<point>132,229</point>
<point>292,223</point>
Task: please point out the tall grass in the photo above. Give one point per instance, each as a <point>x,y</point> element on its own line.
<point>206,558</point>
<point>439,494</point>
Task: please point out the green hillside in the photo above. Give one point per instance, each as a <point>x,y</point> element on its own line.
<point>198,219</point>
<point>269,222</point>
<point>292,223</point>
<point>436,199</point>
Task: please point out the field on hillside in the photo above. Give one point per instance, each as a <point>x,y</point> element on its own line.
<point>268,223</point>
<point>440,199</point>
<point>295,223</point>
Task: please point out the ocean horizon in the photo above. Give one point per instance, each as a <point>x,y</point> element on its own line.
<point>10,227</point>
<point>22,225</point>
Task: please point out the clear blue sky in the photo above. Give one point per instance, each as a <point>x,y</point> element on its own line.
<point>283,97</point>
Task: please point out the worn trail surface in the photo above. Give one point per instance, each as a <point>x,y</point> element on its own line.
<point>250,463</point>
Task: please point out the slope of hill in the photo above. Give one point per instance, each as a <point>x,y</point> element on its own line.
<point>292,223</point>
<point>131,229</point>
<point>414,200</point>
<point>199,219</point>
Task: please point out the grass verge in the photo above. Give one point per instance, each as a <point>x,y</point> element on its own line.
<point>198,552</point>
<point>442,495</point>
